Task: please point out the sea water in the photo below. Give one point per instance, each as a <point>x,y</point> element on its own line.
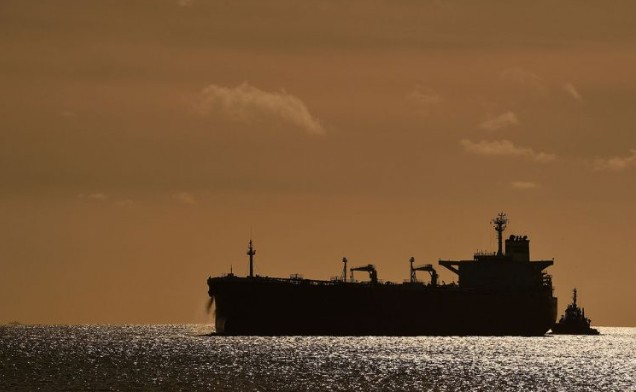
<point>187,358</point>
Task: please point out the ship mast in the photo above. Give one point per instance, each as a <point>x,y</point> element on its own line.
<point>251,252</point>
<point>413,277</point>
<point>344,269</point>
<point>499,224</point>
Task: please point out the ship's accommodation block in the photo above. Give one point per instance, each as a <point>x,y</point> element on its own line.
<point>510,270</point>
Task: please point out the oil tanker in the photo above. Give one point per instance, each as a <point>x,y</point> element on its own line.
<point>497,293</point>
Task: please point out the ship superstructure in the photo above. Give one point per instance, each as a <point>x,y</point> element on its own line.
<point>511,269</point>
<point>499,293</point>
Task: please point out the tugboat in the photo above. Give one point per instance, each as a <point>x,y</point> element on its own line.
<point>574,322</point>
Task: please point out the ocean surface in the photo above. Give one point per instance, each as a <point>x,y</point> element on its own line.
<point>187,358</point>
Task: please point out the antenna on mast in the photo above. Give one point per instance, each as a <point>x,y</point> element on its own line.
<point>574,297</point>
<point>500,223</point>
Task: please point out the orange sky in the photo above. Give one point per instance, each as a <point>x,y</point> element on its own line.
<point>140,141</point>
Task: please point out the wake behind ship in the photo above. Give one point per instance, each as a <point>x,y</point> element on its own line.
<point>499,293</point>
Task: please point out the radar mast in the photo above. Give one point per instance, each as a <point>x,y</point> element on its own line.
<point>500,223</point>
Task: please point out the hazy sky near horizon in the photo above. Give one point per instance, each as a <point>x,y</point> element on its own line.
<point>142,141</point>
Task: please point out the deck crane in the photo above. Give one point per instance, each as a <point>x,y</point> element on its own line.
<point>370,268</point>
<point>425,267</point>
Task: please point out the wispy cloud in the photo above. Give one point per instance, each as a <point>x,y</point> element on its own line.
<point>184,197</point>
<point>502,121</point>
<point>424,97</point>
<point>105,198</point>
<point>572,91</point>
<point>185,3</point>
<point>247,103</point>
<point>94,196</point>
<point>124,203</point>
<point>524,185</point>
<point>504,148</point>
<point>616,163</point>
<point>524,78</point>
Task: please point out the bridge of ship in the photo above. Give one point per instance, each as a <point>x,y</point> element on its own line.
<point>509,269</point>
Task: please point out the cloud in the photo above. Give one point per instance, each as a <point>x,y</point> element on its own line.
<point>184,197</point>
<point>424,97</point>
<point>248,104</point>
<point>572,91</point>
<point>524,78</point>
<point>504,148</point>
<point>124,203</point>
<point>616,163</point>
<point>502,121</point>
<point>524,185</point>
<point>185,3</point>
<point>94,196</point>
<point>102,197</point>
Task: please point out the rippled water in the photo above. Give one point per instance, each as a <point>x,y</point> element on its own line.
<point>182,358</point>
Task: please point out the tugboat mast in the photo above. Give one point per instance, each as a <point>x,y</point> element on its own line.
<point>500,223</point>
<point>251,252</point>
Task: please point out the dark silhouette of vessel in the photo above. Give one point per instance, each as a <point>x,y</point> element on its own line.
<point>498,293</point>
<point>574,322</point>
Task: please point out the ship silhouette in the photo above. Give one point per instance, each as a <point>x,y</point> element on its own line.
<point>498,293</point>
<point>573,321</point>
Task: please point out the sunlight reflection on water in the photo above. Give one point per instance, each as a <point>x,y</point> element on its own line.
<point>182,357</point>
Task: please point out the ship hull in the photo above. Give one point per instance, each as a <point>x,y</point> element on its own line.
<point>266,306</point>
<point>575,329</point>
<point>590,331</point>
